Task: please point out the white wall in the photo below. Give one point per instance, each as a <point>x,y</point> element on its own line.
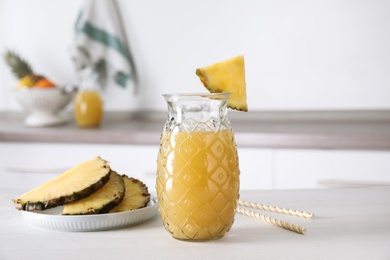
<point>300,54</point>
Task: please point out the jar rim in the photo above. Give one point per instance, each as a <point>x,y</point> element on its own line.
<point>175,96</point>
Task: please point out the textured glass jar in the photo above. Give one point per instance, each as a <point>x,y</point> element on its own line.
<point>197,167</point>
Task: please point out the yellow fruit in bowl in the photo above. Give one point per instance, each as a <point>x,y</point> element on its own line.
<point>44,83</point>
<point>25,82</point>
<point>227,76</point>
<point>35,81</point>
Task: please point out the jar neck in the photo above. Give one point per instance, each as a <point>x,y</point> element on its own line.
<point>206,111</point>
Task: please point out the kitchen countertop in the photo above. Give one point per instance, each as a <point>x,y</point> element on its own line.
<point>357,130</point>
<point>348,224</point>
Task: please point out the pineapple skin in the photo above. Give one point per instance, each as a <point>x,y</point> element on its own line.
<point>85,206</point>
<point>28,203</point>
<point>38,205</point>
<point>137,195</point>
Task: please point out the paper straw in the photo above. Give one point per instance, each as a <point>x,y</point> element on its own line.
<point>275,209</point>
<point>273,221</point>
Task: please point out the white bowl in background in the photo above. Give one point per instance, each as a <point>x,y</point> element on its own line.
<point>44,105</point>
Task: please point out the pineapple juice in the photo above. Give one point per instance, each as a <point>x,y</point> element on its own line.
<point>88,108</point>
<point>197,183</point>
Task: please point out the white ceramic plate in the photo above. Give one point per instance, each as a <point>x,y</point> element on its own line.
<point>53,220</point>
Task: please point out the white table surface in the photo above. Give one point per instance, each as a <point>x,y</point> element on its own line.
<point>349,224</point>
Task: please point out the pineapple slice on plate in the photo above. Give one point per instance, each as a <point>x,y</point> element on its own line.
<point>102,201</point>
<point>227,76</point>
<point>74,184</point>
<point>136,196</point>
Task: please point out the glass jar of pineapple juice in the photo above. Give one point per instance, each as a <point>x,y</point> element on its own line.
<point>197,168</point>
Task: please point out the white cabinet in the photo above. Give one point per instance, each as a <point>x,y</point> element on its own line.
<point>330,168</point>
<point>256,167</point>
<point>25,166</point>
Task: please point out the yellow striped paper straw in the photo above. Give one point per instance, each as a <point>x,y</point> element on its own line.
<point>273,221</point>
<point>275,209</point>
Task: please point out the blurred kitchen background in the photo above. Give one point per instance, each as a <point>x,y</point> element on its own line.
<point>300,55</point>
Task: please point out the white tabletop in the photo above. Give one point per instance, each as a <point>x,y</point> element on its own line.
<point>349,224</point>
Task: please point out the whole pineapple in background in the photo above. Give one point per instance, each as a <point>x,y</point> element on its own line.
<point>227,76</point>
<point>24,73</point>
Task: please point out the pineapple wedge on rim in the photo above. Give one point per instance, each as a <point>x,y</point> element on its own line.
<point>227,76</point>
<point>136,196</point>
<point>101,201</point>
<point>74,184</point>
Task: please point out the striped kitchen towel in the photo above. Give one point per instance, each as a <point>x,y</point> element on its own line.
<point>101,53</point>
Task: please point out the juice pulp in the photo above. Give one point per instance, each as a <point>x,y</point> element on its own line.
<point>197,183</point>
<point>88,108</point>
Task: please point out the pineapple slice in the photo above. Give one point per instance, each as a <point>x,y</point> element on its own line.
<point>136,196</point>
<point>102,201</point>
<point>227,76</point>
<point>74,184</point>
